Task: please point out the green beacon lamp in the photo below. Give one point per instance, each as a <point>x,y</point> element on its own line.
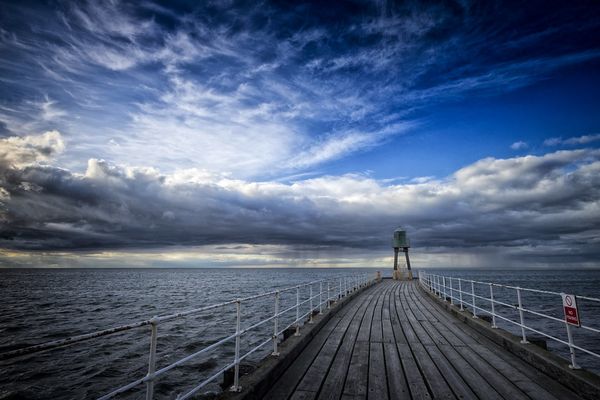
<point>400,241</point>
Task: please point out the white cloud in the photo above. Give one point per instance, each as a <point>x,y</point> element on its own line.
<point>18,151</point>
<point>573,141</point>
<point>337,146</point>
<point>520,145</point>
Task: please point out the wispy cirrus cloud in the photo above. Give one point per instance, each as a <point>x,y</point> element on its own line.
<point>573,141</point>
<point>287,79</point>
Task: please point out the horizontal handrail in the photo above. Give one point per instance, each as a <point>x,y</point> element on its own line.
<point>443,287</point>
<point>523,289</point>
<point>326,295</point>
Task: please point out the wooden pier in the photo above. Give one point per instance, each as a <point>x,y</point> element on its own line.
<point>394,341</point>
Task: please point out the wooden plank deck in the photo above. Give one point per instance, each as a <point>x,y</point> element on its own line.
<point>394,342</point>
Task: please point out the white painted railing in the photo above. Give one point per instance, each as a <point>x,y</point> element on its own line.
<point>329,291</point>
<point>462,293</point>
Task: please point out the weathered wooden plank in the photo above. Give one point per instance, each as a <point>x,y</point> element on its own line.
<point>388,332</point>
<point>471,375</point>
<point>483,388</point>
<point>522,375</point>
<point>365,327</point>
<point>527,379</point>
<point>397,384</point>
<point>420,336</point>
<point>350,397</point>
<point>313,377</point>
<point>460,388</point>
<point>394,341</point>
<point>407,330</point>
<point>434,333</point>
<point>435,380</point>
<point>376,323</point>
<point>414,379</point>
<point>292,376</point>
<point>358,372</point>
<point>455,326</point>
<point>303,395</point>
<point>534,383</point>
<point>396,326</point>
<point>333,384</point>
<point>454,379</point>
<point>377,386</point>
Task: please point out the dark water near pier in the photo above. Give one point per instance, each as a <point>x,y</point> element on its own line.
<point>42,305</point>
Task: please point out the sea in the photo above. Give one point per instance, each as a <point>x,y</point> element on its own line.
<point>41,305</point>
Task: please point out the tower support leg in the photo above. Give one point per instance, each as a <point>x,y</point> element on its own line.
<point>408,263</point>
<point>396,275</point>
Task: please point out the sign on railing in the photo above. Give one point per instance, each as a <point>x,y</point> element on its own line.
<point>571,311</point>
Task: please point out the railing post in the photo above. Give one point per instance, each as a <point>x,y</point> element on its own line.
<point>460,294</point>
<point>310,293</point>
<point>321,297</point>
<point>328,295</point>
<point>493,306</point>
<point>473,299</point>
<point>151,360</point>
<point>444,287</point>
<point>346,283</point>
<point>236,374</point>
<point>276,326</point>
<point>297,312</point>
<point>340,293</point>
<point>451,292</point>
<point>524,340</point>
<point>573,364</point>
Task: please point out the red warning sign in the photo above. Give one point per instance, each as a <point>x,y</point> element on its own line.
<point>571,310</point>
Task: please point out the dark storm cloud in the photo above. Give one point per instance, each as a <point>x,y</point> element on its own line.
<point>534,205</point>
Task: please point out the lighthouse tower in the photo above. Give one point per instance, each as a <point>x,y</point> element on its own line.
<point>400,241</point>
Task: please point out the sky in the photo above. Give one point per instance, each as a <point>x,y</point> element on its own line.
<point>268,134</point>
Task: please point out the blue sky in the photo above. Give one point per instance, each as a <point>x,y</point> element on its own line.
<point>301,132</point>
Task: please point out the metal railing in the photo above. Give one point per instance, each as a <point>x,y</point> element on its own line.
<point>320,294</point>
<point>456,291</point>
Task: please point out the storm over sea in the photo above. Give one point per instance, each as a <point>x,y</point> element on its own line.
<point>39,305</point>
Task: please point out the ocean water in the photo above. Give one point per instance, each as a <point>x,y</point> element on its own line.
<point>39,305</point>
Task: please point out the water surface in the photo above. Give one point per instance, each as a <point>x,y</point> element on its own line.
<point>38,305</point>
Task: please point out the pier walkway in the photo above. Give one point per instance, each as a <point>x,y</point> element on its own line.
<point>393,341</point>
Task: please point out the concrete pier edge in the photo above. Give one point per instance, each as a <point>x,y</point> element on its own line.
<point>583,382</point>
